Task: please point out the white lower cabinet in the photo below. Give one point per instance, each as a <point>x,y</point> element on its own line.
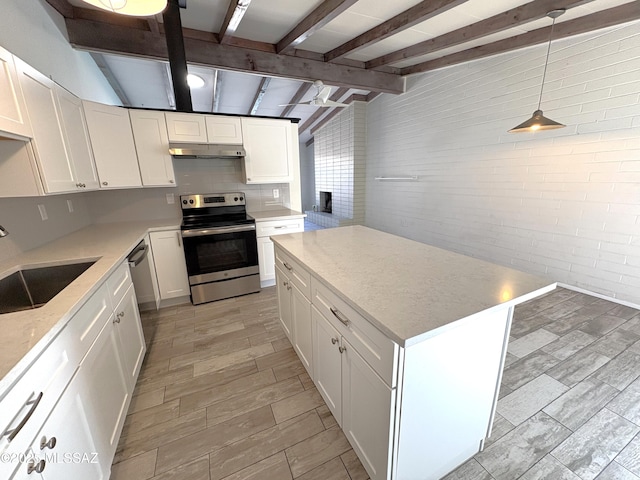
<point>171,267</point>
<point>76,418</point>
<point>367,412</point>
<point>266,260</point>
<point>295,317</point>
<point>327,367</point>
<point>266,253</point>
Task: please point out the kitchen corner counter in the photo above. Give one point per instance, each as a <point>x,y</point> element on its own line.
<point>408,290</point>
<point>279,214</point>
<point>27,333</point>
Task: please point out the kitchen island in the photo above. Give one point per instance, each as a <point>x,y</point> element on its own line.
<point>406,342</point>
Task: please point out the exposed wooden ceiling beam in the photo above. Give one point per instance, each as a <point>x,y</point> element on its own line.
<point>407,19</point>
<point>235,12</point>
<point>304,88</point>
<point>115,38</point>
<point>309,142</point>
<point>602,19</point>
<point>111,78</point>
<point>63,7</point>
<point>257,99</point>
<point>323,14</point>
<point>337,95</point>
<point>509,19</point>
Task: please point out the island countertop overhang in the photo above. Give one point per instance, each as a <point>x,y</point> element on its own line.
<point>407,289</point>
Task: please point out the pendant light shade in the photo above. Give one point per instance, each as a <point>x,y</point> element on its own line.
<point>136,8</point>
<point>538,121</point>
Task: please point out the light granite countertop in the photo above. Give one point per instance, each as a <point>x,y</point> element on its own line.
<point>27,333</point>
<point>409,290</point>
<point>279,214</point>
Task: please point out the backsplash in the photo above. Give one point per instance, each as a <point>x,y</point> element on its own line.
<point>27,230</point>
<point>193,175</point>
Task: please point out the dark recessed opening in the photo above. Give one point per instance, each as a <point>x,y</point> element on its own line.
<point>325,202</point>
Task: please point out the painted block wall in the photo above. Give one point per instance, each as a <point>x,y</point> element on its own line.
<point>340,159</point>
<point>563,204</point>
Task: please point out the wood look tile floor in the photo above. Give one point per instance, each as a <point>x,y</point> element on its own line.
<point>222,395</point>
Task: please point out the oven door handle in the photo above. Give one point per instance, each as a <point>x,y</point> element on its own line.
<point>201,232</point>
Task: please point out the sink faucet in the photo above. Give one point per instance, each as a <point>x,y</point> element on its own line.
<point>3,232</point>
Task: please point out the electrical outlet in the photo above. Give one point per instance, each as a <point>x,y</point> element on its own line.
<point>70,206</point>
<point>276,193</point>
<point>43,212</point>
<point>171,199</point>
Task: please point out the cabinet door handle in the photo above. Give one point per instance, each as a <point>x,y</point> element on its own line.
<point>105,183</point>
<point>338,315</point>
<point>34,404</point>
<point>334,340</point>
<point>50,444</point>
<point>32,466</point>
<point>287,266</point>
<point>281,226</point>
<point>342,349</point>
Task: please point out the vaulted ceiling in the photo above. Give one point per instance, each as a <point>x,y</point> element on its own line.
<point>256,55</point>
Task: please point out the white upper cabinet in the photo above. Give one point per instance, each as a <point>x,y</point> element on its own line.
<point>152,146</point>
<point>269,150</point>
<point>54,162</point>
<point>113,145</point>
<point>77,140</point>
<point>224,130</point>
<point>186,127</point>
<point>13,111</point>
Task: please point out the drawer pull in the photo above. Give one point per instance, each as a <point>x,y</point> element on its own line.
<point>50,444</point>
<point>287,266</point>
<point>32,466</point>
<point>281,226</point>
<point>34,404</point>
<point>338,315</point>
<point>342,349</point>
<point>334,340</point>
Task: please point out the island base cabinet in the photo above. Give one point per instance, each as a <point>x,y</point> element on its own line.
<point>367,413</point>
<point>302,331</point>
<point>438,383</point>
<point>130,336</point>
<point>361,402</point>
<point>284,302</point>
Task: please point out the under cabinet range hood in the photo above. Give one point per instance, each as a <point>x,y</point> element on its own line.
<point>203,150</point>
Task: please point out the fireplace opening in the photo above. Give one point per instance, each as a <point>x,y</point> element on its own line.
<point>325,202</point>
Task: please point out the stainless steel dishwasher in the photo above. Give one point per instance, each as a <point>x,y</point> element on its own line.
<point>143,274</point>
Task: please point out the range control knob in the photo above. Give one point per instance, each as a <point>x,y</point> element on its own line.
<point>235,199</point>
<point>184,202</point>
<point>191,201</point>
<point>241,198</point>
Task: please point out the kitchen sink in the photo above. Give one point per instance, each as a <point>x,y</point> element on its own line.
<point>33,287</point>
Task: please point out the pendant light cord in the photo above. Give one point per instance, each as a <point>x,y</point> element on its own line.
<point>546,62</point>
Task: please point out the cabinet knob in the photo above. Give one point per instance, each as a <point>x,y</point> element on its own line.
<point>117,319</point>
<point>83,185</point>
<point>342,349</point>
<point>50,444</point>
<point>79,185</point>
<point>32,466</point>
<point>334,340</point>
<point>171,181</point>
<point>105,183</point>
<point>121,314</point>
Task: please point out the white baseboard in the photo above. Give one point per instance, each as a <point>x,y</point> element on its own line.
<point>599,295</point>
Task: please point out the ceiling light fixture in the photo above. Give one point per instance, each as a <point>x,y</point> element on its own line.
<point>538,121</point>
<point>136,8</point>
<point>195,81</point>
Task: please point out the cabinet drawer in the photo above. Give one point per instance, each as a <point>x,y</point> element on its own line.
<point>279,227</point>
<point>118,283</point>
<point>379,351</point>
<point>85,325</point>
<point>297,275</point>
<point>33,397</point>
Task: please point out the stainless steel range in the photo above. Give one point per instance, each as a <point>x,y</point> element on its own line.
<point>220,246</point>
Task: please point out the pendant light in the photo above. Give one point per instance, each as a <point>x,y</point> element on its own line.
<point>136,8</point>
<point>538,121</point>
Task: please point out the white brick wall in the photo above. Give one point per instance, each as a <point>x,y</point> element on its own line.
<point>340,156</point>
<point>564,204</point>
